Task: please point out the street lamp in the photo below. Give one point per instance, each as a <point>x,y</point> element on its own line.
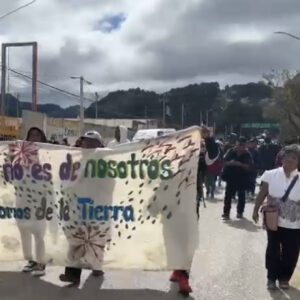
<point>96,101</point>
<point>82,81</point>
<point>288,34</point>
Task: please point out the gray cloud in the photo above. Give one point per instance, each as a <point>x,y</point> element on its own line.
<point>162,43</point>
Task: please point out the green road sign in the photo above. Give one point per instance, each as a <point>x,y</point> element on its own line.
<point>260,125</point>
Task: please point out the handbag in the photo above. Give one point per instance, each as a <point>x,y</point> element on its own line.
<point>271,211</point>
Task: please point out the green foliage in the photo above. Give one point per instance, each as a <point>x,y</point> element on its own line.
<point>233,105</point>
<point>252,91</point>
<point>286,107</point>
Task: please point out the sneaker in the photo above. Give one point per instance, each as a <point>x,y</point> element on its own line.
<point>284,285</point>
<point>175,276</point>
<point>69,279</point>
<point>29,267</point>
<point>225,217</point>
<point>271,285</point>
<point>240,216</point>
<point>39,270</point>
<point>97,273</point>
<point>184,285</point>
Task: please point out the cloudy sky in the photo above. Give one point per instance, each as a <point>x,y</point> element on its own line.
<point>152,44</point>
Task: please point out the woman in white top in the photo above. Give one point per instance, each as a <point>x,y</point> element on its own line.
<point>284,244</point>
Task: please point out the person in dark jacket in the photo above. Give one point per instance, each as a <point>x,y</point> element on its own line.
<point>236,173</point>
<point>232,139</point>
<point>267,153</point>
<point>252,148</point>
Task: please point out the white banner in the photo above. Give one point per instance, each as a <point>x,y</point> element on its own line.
<point>131,207</point>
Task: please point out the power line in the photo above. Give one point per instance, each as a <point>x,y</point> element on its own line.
<point>49,85</point>
<point>288,34</point>
<point>67,93</point>
<point>17,9</point>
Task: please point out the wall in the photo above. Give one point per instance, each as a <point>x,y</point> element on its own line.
<point>58,128</point>
<point>32,119</point>
<point>9,128</point>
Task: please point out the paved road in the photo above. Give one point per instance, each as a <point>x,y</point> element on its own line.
<point>229,265</point>
<point>230,260</point>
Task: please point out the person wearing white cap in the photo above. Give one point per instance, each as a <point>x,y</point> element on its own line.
<point>90,140</point>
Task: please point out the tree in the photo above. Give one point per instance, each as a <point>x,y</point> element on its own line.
<point>286,98</point>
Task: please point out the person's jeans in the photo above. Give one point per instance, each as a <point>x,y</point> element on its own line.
<point>231,190</point>
<point>210,183</point>
<point>282,253</point>
<point>253,183</point>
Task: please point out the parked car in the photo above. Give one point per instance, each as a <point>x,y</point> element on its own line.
<point>145,134</point>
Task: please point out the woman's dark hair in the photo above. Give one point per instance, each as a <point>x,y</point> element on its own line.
<point>292,149</point>
<point>212,147</point>
<point>43,136</point>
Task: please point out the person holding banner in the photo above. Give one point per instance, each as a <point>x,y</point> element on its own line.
<point>90,140</point>
<point>209,154</point>
<point>32,229</point>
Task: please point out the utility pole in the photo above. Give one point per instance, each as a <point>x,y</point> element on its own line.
<point>82,81</point>
<point>8,79</point>
<point>96,100</point>
<point>164,111</point>
<point>201,118</point>
<point>81,105</point>
<point>3,80</point>
<point>182,115</point>
<point>207,112</point>
<point>34,46</point>
<point>18,104</point>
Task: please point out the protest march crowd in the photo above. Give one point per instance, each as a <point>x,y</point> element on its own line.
<point>238,162</point>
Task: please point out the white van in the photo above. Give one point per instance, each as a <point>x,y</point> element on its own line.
<point>145,134</point>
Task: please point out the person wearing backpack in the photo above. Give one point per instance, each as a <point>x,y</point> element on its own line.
<point>238,164</point>
<point>213,170</point>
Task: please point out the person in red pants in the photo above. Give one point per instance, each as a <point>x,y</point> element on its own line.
<point>213,153</point>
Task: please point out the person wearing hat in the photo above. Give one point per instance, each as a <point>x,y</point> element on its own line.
<point>90,140</point>
<point>231,141</point>
<point>236,173</point>
<point>268,153</point>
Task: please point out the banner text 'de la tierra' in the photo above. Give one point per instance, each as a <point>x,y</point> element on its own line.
<point>131,207</point>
